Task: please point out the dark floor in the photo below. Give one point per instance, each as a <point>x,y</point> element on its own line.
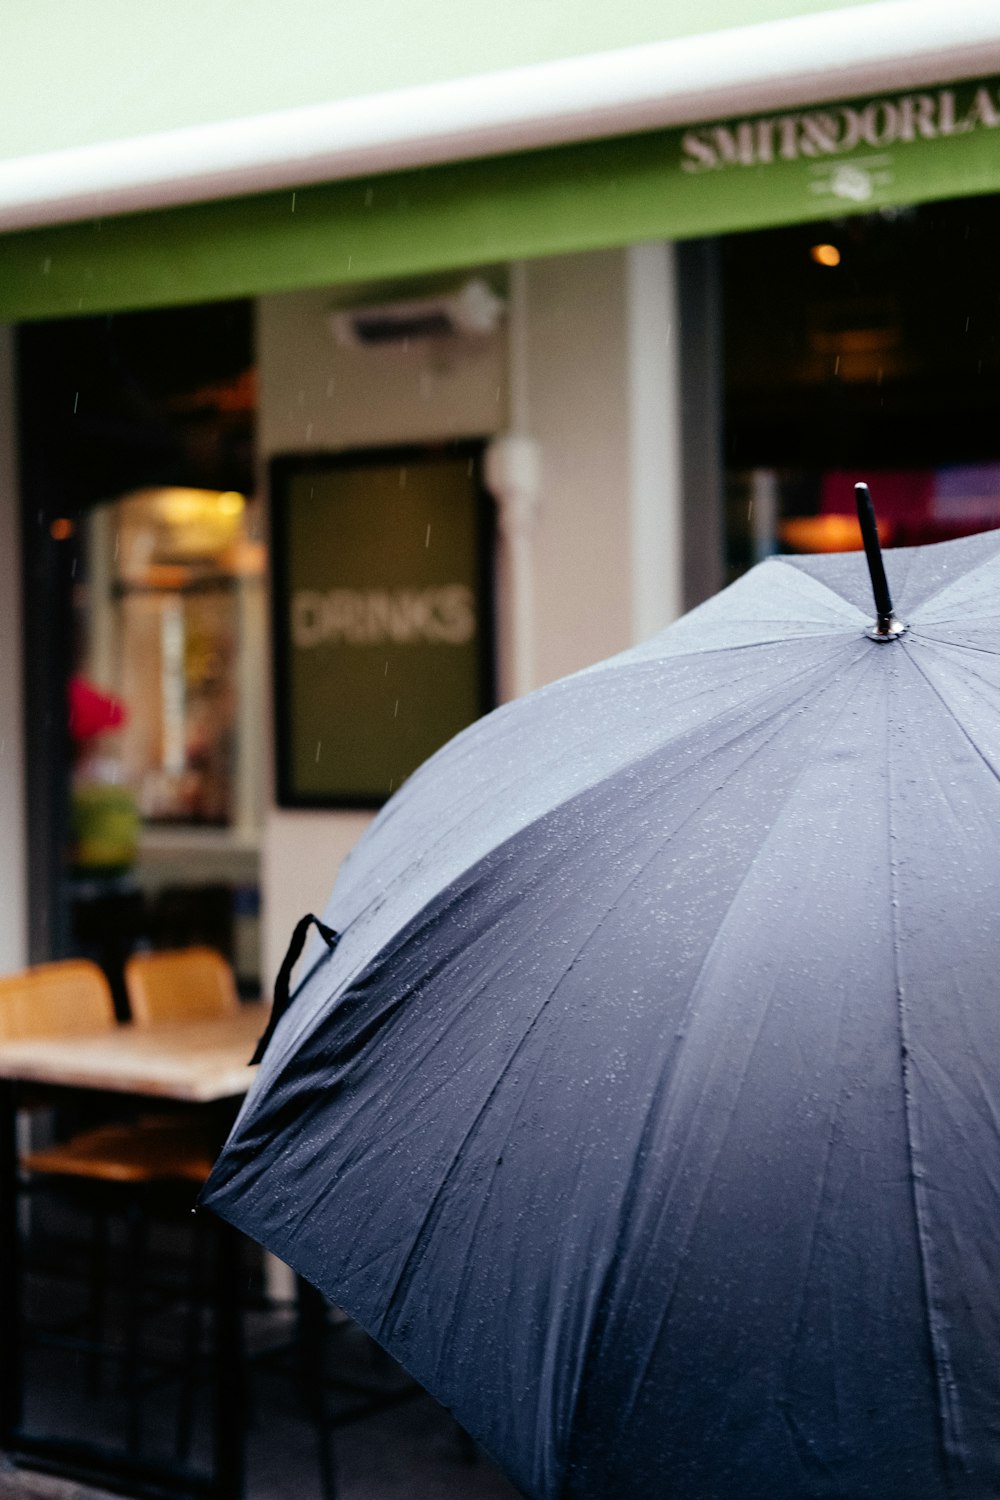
<point>405,1449</point>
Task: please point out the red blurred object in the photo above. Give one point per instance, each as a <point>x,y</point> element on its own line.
<point>916,506</point>
<point>903,497</point>
<point>93,711</point>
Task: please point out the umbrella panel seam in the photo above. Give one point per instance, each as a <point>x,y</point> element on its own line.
<point>861,661</point>
<point>942,1364</point>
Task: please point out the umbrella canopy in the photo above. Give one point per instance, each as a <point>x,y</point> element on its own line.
<point>647,1110</point>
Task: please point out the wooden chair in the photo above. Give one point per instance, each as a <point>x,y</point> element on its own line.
<point>181,984</point>
<point>73,997</point>
<point>55,999</point>
<point>69,998</point>
<point>184,984</point>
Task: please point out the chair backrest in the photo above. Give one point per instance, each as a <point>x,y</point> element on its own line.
<point>183,984</point>
<point>57,999</point>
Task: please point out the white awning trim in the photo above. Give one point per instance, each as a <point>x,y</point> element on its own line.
<point>874,48</point>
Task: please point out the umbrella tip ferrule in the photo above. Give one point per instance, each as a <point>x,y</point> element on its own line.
<point>889,629</point>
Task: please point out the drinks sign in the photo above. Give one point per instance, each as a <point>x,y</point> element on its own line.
<point>382,616</point>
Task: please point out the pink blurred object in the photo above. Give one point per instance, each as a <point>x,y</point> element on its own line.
<point>93,711</point>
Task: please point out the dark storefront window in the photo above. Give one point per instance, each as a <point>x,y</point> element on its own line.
<point>865,348</point>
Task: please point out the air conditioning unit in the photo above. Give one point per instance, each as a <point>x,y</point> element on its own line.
<point>472,312</point>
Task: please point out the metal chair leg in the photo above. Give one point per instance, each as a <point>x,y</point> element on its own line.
<point>11,1328</point>
<point>96,1296</point>
<point>229,1371</point>
<point>191,1343</point>
<point>135,1220</point>
<point>311,1327</point>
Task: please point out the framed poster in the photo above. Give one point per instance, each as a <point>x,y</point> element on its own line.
<point>382,615</point>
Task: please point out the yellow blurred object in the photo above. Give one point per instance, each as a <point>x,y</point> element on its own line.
<point>105,827</point>
<point>173,527</point>
<point>184,507</point>
<point>825,255</point>
<point>104,815</point>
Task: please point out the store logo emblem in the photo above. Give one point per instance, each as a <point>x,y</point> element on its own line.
<point>443,616</point>
<point>855,181</point>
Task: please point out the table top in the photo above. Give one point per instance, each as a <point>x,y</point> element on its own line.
<point>196,1061</point>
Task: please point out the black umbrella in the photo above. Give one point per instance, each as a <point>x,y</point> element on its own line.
<point>647,1109</point>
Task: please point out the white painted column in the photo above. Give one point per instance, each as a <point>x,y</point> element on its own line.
<point>103,618</point>
<point>764,508</point>
<point>513,477</point>
<point>251,706</point>
<point>654,418</point>
<point>13,848</point>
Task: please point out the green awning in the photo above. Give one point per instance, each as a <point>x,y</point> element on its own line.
<point>242,147</point>
<point>701,180</point>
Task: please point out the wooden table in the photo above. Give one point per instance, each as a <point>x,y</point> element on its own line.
<point>190,1062</point>
<point>195,1062</point>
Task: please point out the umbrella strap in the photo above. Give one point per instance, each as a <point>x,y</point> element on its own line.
<point>282,998</point>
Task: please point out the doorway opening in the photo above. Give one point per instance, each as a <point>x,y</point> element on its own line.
<point>144,602</point>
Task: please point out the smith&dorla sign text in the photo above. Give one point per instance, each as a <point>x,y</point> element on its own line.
<point>837,129</point>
